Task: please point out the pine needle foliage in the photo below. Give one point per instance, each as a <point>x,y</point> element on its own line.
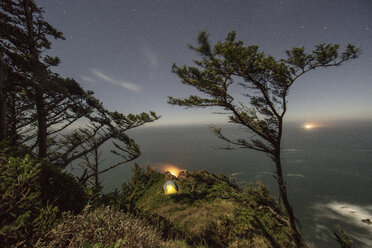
<point>264,83</point>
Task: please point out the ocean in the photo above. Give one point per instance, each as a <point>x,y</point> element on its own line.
<point>328,171</point>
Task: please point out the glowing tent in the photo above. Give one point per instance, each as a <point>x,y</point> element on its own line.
<point>170,187</point>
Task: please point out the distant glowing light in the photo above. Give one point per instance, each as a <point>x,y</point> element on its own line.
<point>174,170</point>
<point>309,126</point>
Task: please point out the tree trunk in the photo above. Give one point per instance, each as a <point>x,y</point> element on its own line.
<point>296,236</point>
<point>39,100</point>
<point>3,102</point>
<point>41,120</point>
<point>96,164</point>
<point>12,121</point>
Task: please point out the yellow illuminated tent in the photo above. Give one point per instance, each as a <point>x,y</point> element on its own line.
<point>170,187</point>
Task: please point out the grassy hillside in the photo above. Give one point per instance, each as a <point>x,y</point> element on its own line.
<point>209,210</point>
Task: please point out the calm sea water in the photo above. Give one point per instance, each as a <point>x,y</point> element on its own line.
<point>328,171</point>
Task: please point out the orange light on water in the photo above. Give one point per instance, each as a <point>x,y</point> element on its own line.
<point>174,170</point>
<point>309,126</point>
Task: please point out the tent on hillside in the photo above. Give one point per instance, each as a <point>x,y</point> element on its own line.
<point>170,187</point>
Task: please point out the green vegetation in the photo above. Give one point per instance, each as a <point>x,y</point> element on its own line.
<point>210,210</point>
<point>32,199</point>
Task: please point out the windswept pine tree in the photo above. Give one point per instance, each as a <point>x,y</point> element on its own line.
<point>265,82</point>
<point>25,36</point>
<point>39,107</point>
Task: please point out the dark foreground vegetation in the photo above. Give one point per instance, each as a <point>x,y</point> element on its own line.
<point>208,211</point>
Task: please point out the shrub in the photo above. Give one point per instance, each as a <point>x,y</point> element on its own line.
<point>7,150</point>
<point>61,189</point>
<point>97,198</point>
<point>32,195</point>
<point>23,216</point>
<point>133,189</point>
<point>103,227</point>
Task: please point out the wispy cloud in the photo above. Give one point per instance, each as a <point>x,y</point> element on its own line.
<point>151,57</point>
<point>101,76</point>
<point>87,79</point>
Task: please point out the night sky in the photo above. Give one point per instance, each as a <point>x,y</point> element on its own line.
<point>124,50</point>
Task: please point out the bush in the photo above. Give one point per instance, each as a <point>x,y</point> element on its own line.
<point>103,227</point>
<point>133,189</point>
<point>96,197</point>
<point>23,216</point>
<point>61,189</point>
<point>7,150</point>
<point>32,195</point>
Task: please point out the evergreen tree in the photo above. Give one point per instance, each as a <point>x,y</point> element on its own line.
<point>37,105</point>
<point>25,36</point>
<point>37,39</point>
<point>265,81</point>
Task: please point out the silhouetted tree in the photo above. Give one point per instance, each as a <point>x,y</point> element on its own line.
<point>265,81</point>
<point>90,164</point>
<point>101,125</point>
<point>24,37</point>
<point>37,39</point>
<point>39,107</point>
<point>65,102</point>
